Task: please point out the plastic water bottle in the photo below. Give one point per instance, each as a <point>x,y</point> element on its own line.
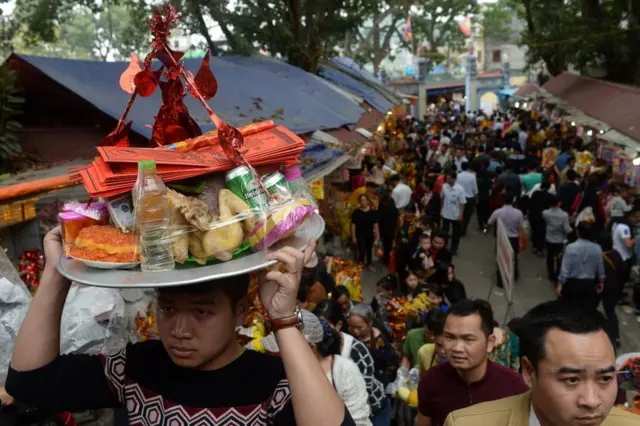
<point>152,219</point>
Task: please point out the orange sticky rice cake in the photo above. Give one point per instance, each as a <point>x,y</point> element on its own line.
<point>106,244</point>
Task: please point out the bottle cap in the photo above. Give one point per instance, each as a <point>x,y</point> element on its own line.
<point>147,166</point>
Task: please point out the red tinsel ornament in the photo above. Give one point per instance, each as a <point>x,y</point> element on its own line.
<point>30,268</point>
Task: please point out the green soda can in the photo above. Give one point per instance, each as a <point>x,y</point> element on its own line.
<point>241,182</point>
<point>275,183</point>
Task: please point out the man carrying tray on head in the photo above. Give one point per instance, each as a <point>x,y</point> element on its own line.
<point>196,373</point>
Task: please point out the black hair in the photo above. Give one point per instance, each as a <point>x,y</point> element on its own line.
<point>605,241</point>
<point>510,164</point>
<point>392,179</point>
<point>515,325</point>
<point>434,321</point>
<point>467,307</point>
<point>340,291</point>
<point>572,174</point>
<point>452,174</point>
<point>435,289</point>
<point>586,230</point>
<point>509,199</point>
<point>330,311</point>
<point>424,236</point>
<point>553,200</point>
<point>465,166</point>
<point>440,234</point>
<point>235,288</point>
<point>331,341</point>
<point>388,282</point>
<point>554,314</point>
<point>545,185</point>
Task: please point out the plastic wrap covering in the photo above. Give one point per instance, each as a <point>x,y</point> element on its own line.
<point>93,321</point>
<point>14,303</point>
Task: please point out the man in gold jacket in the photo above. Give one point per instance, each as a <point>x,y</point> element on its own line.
<point>569,364</point>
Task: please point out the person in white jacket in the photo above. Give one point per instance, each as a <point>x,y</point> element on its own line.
<point>344,374</point>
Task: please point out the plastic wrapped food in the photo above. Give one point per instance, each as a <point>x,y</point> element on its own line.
<point>281,222</point>
<point>75,217</point>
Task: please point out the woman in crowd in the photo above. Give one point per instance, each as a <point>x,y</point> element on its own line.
<point>388,216</point>
<point>364,229</point>
<point>343,373</point>
<point>453,288</point>
<point>361,327</point>
<point>358,352</point>
<point>407,238</point>
<point>591,198</point>
<point>342,297</point>
<point>431,203</point>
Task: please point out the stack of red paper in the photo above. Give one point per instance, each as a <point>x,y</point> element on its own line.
<point>115,171</point>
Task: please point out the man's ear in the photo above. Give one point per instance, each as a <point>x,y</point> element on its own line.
<point>242,308</point>
<point>491,343</point>
<point>528,372</point>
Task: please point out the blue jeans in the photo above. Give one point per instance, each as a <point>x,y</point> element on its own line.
<point>383,417</point>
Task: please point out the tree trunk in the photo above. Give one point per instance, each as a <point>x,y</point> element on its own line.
<point>237,44</point>
<point>202,26</point>
<point>348,43</point>
<point>376,43</point>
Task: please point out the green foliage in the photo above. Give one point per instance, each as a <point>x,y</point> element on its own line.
<point>10,109</point>
<point>436,22</point>
<point>373,41</point>
<point>600,36</point>
<point>302,31</point>
<point>82,32</point>
<point>495,19</point>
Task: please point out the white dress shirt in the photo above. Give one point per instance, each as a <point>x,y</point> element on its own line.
<point>401,194</point>
<point>533,419</point>
<point>468,182</point>
<point>459,161</point>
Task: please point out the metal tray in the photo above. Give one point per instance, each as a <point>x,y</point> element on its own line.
<point>186,274</point>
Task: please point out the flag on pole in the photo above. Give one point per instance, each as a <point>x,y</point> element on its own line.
<point>408,33</point>
<point>465,26</point>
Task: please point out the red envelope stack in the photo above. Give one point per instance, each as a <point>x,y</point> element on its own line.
<point>114,172</point>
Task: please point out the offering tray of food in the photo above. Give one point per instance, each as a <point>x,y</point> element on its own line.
<point>188,273</point>
<point>191,206</point>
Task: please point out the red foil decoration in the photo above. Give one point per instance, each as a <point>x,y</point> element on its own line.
<point>30,268</point>
<point>126,79</point>
<point>145,83</point>
<point>204,80</point>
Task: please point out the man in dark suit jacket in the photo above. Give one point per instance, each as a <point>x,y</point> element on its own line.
<point>568,191</point>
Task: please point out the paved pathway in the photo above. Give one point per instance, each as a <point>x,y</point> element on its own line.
<point>475,267</point>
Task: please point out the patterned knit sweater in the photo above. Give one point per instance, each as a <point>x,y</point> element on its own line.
<point>252,390</point>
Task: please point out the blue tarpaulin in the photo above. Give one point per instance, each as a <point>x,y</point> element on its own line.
<point>373,97</point>
<point>315,156</point>
<point>508,92</point>
<point>250,89</point>
<point>349,65</point>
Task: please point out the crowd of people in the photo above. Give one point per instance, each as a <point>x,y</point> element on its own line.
<point>420,352</point>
